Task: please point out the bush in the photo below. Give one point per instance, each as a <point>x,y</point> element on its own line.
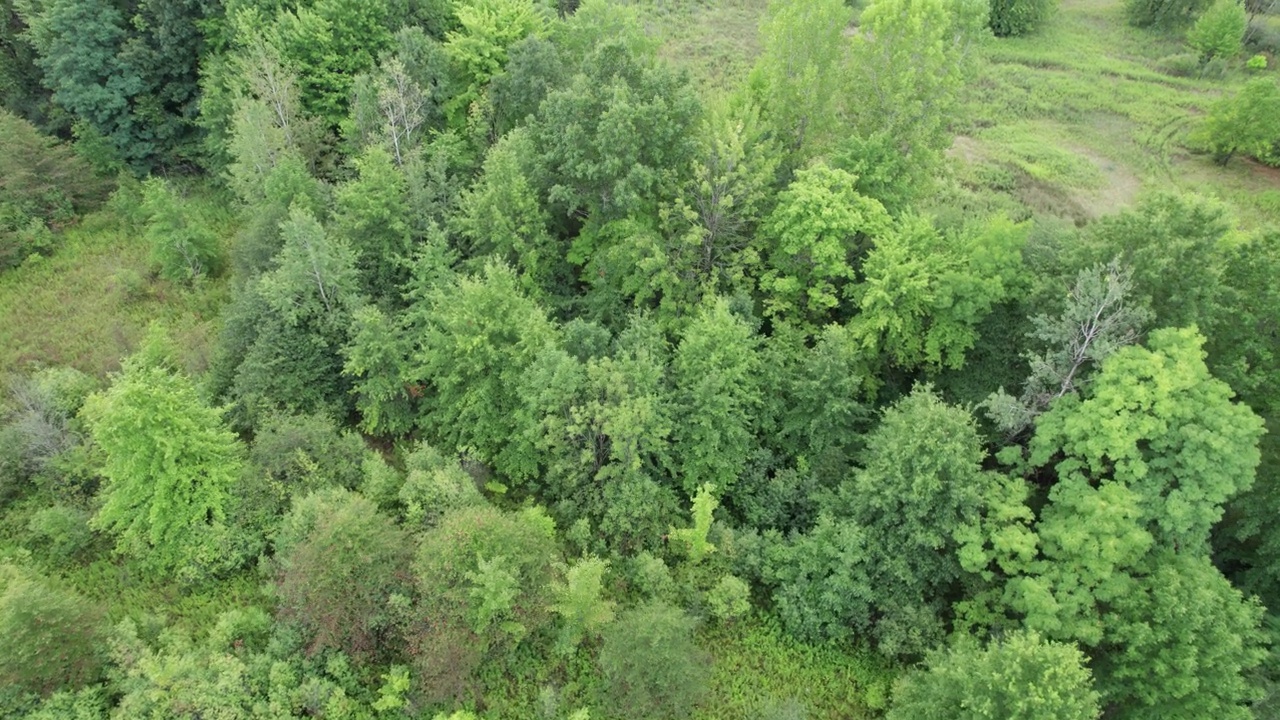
<point>1180,65</point>
<point>730,599</point>
<point>1257,63</point>
<point>340,562</point>
<point>651,665</point>
<point>433,486</point>
<point>1219,33</point>
<point>182,249</point>
<point>60,531</point>
<point>1018,17</point>
<point>302,453</point>
<point>1163,13</point>
<point>52,637</point>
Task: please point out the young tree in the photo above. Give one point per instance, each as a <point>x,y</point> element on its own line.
<point>479,47</point>
<point>169,462</point>
<point>910,63</point>
<point>815,235</point>
<point>181,247</point>
<point>372,215</point>
<point>579,602</point>
<point>53,638</point>
<point>1163,13</point>
<point>1018,17</point>
<point>1248,123</point>
<point>1219,32</point>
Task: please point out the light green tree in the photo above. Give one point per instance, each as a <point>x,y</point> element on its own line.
<point>795,79</point>
<point>1219,32</point>
<point>487,29</point>
<point>1247,123</point>
<point>814,236</point>
<point>372,214</point>
<point>181,246</point>
<point>1020,677</point>
<point>169,462</point>
<point>580,603</point>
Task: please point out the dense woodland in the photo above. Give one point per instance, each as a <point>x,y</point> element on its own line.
<point>467,359</point>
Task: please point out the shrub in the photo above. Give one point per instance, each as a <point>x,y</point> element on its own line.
<point>52,637</point>
<point>1219,32</point>
<point>1018,17</point>
<point>1256,63</point>
<point>181,247</point>
<point>340,562</point>
<point>730,599</point>
<point>1180,65</point>
<point>302,453</point>
<point>60,531</point>
<point>434,485</point>
<point>651,665</point>
<point>1163,13</point>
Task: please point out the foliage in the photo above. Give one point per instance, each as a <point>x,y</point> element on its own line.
<point>169,462</point>
<point>729,599</point>
<point>433,486</point>
<point>1020,677</point>
<point>372,214</point>
<point>478,48</point>
<point>694,539</point>
<point>1219,32</point>
<point>815,235</point>
<point>340,562</point>
<point>181,246</point>
<point>651,665</point>
<point>52,636</point>
<point>296,454</point>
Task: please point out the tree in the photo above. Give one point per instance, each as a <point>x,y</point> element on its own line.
<point>169,462</point>
<point>1219,32</point>
<point>1155,421</point>
<point>372,215</point>
<point>340,561</point>
<point>905,534</point>
<point>1180,645</point>
<point>479,335</point>
<point>1018,17</point>
<point>1248,123</point>
<point>579,602</point>
<point>487,28</point>
<point>925,294</point>
<point>181,246</point>
<point>910,63</point>
<point>715,371</point>
<point>1098,319</point>
<point>794,78</point>
<point>1163,13</point>
<point>608,141</point>
<point>1020,677</point>
<point>377,359</point>
<point>53,637</point>
<point>815,235</point>
<point>651,666</point>
<point>484,579</point>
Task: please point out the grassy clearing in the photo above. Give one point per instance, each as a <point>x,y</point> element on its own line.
<point>89,304</point>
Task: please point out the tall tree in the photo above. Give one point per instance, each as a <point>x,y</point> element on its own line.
<point>479,47</point>
<point>372,214</point>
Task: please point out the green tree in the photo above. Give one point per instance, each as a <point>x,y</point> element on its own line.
<point>910,63</point>
<point>372,213</point>
<point>1155,421</point>
<point>925,294</point>
<point>1247,122</point>
<point>815,236</point>
<point>479,335</point>
<point>53,638</point>
<point>1180,645</point>
<point>484,579</point>
<point>1020,677</point>
<point>377,359</point>
<point>181,246</point>
<point>794,79</point>
<point>608,142</point>
<point>652,668</point>
<point>580,603</point>
<point>169,462</point>
<point>1163,13</point>
<point>715,372</point>
<point>905,534</point>
<point>340,561</point>
<point>1018,17</point>
<point>478,48</point>
<point>1219,32</point>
